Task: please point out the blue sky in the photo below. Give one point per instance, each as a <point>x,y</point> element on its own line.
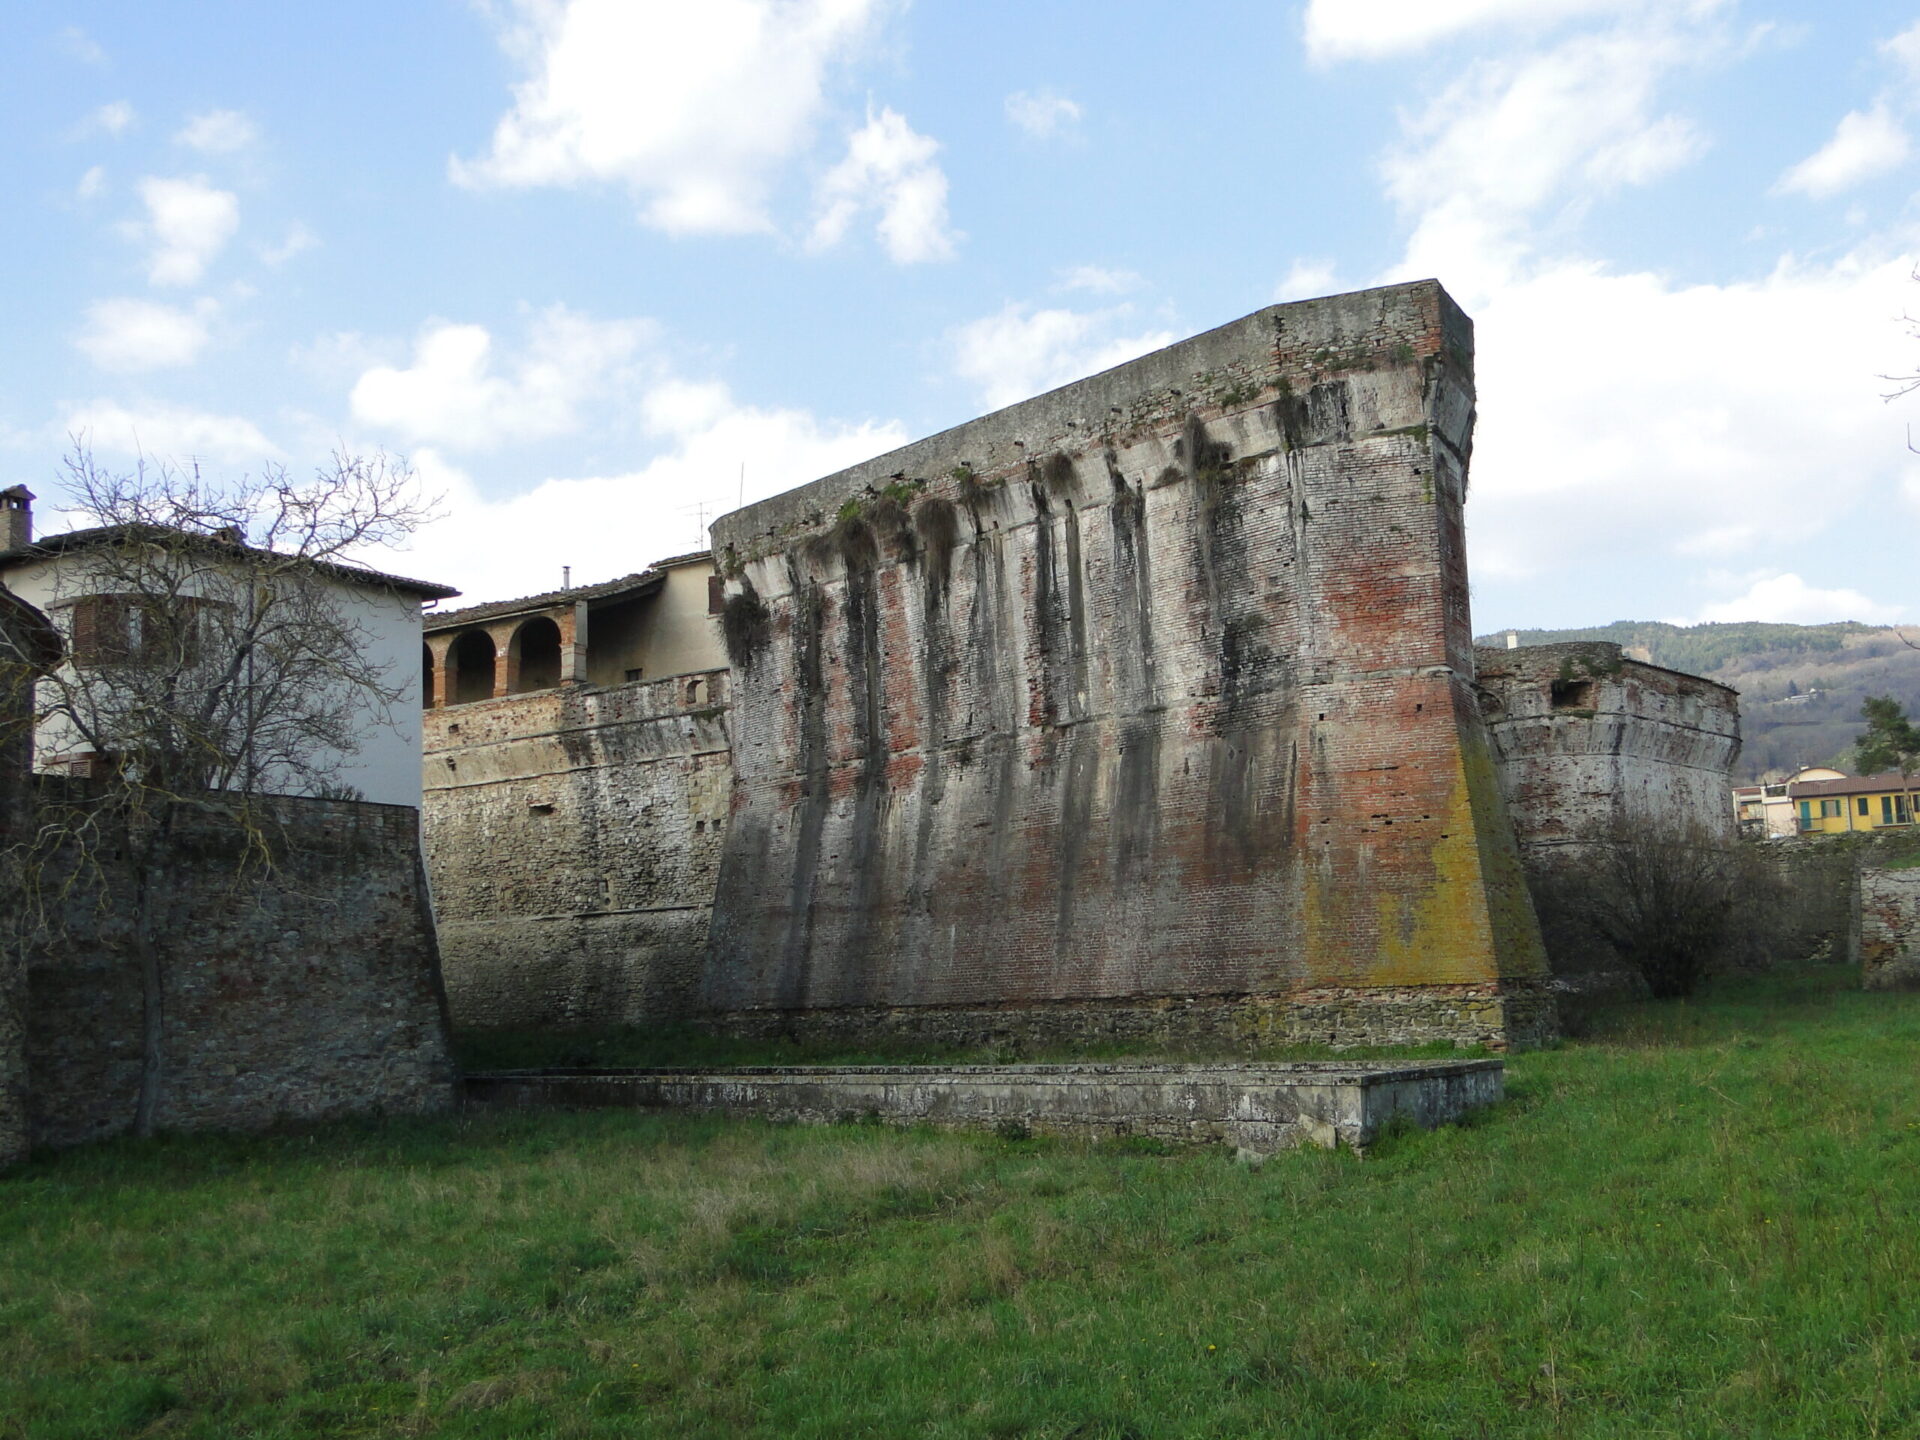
<point>585,261</point>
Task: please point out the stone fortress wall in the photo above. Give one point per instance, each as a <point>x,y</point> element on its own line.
<point>304,991</point>
<point>1155,689</point>
<point>574,836</point>
<point>1590,742</point>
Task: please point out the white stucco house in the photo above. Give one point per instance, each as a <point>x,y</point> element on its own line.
<point>67,577</point>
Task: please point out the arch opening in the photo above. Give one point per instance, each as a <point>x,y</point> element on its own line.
<point>471,660</point>
<point>536,645</point>
<point>427,698</point>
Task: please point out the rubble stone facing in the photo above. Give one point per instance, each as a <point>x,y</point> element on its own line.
<point>1256,1108</point>
<point>1156,685</point>
<point>573,837</point>
<point>306,993</point>
<point>1889,935</point>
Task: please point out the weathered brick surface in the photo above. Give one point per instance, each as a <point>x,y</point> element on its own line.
<point>1158,685</point>
<point>1889,935</point>
<point>307,992</point>
<point>573,836</point>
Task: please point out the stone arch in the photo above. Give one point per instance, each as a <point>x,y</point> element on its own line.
<point>534,655</point>
<point>694,689</point>
<point>470,664</point>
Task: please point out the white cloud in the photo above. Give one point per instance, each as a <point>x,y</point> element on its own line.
<point>92,184</point>
<point>1306,280</point>
<point>452,397</point>
<point>891,169</point>
<point>1625,420</point>
<point>188,223</point>
<point>1021,351</point>
<point>128,335</point>
<point>1787,599</point>
<point>1866,143</point>
<point>1373,29</point>
<point>167,432</point>
<point>693,107</point>
<point>1905,48</point>
<point>1099,280</point>
<point>218,132</point>
<point>1516,134</point>
<point>608,525</point>
<point>299,240</point>
<point>1042,113</point>
<point>113,120</point>
<point>81,46</point>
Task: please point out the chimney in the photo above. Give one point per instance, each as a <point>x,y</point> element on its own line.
<point>16,518</point>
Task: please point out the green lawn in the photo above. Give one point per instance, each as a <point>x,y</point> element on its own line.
<point>1700,1220</point>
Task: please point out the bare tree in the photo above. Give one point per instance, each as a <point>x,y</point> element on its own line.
<point>217,654</point>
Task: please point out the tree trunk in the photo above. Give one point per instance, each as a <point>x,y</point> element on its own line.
<point>153,1030</point>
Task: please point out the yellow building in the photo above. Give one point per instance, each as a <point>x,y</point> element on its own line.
<point>1863,803</point>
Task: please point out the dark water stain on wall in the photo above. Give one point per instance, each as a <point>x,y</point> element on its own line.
<point>809,683</point>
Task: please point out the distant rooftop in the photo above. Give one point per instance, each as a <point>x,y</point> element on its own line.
<point>641,582</point>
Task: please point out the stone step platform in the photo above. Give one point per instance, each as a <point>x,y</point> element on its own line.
<point>1258,1109</point>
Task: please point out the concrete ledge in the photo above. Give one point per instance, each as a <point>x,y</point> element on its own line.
<point>1257,1109</point>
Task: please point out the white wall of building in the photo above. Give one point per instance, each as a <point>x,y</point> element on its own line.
<point>383,767</point>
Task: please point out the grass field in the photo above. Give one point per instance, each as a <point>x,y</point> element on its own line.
<point>1702,1219</point>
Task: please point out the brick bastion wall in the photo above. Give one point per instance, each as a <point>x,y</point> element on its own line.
<point>307,990</point>
<point>1258,1109</point>
<point>1151,696</point>
<point>573,837</point>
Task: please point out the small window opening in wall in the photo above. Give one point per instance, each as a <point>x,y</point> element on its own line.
<point>539,807</point>
<point>1572,694</point>
<point>454,728</point>
<point>633,674</point>
<point>693,692</point>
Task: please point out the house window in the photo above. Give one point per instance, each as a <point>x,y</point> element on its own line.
<point>716,594</point>
<point>1831,809</point>
<point>137,630</point>
<point>1806,814</point>
<point>1866,806</point>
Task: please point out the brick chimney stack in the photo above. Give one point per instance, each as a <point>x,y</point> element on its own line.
<point>16,517</point>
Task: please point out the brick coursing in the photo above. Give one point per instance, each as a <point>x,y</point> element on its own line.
<point>307,991</point>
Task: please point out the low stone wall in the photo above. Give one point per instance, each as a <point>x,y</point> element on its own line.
<point>306,991</point>
<point>1256,1108</point>
<point>1889,936</point>
<point>1496,1015</point>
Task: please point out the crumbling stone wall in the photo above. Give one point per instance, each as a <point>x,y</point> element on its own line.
<point>573,837</point>
<point>1889,937</point>
<point>1589,741</point>
<point>306,991</point>
<point>1156,686</point>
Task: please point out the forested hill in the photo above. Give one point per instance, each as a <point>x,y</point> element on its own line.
<point>1800,685</point>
